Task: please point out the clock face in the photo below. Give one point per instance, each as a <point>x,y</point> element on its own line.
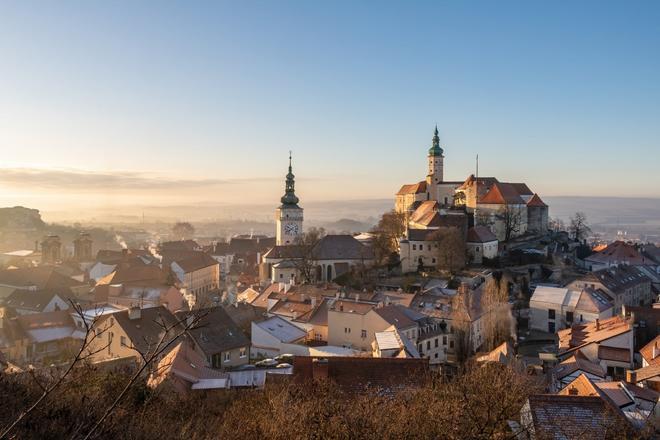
<point>291,228</point>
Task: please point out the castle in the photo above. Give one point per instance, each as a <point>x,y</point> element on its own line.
<point>509,210</point>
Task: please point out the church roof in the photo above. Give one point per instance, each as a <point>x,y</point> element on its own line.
<point>341,247</point>
<point>286,251</point>
<point>289,199</point>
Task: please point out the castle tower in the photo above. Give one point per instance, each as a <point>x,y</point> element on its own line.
<point>82,247</point>
<point>51,250</point>
<point>289,215</point>
<point>436,161</point>
<point>435,176</point>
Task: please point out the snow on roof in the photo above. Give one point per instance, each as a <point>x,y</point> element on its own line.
<point>387,341</point>
<point>281,329</point>
<point>19,253</point>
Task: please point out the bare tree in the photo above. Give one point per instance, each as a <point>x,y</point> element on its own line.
<point>169,334</point>
<point>579,228</point>
<point>461,323</point>
<point>449,244</point>
<point>183,231</point>
<point>304,260</point>
<point>49,384</point>
<point>557,224</point>
<point>498,322</point>
<point>388,231</point>
<point>511,219</point>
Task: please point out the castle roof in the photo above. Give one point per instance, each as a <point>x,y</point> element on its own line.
<point>413,188</point>
<point>501,194</point>
<point>536,201</point>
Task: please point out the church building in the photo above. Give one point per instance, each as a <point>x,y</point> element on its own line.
<point>323,261</point>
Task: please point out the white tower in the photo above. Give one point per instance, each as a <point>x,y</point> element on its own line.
<point>289,215</point>
<point>435,176</point>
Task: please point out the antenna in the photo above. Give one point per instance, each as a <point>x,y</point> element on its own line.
<point>476,196</point>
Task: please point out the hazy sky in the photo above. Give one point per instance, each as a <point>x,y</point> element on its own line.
<point>104,103</point>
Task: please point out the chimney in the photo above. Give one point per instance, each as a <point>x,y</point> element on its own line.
<point>357,297</point>
<point>656,352</point>
<point>280,287</point>
<point>124,253</point>
<point>134,313</point>
<point>313,301</point>
<point>597,324</point>
<point>341,307</point>
<point>631,377</point>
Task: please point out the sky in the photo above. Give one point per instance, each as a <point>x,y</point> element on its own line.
<point>124,102</point>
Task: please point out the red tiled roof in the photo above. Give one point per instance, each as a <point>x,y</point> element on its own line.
<point>647,351</point>
<point>614,354</point>
<point>578,362</point>
<point>583,334</point>
<point>565,416</point>
<point>536,201</point>
<point>619,252</point>
<point>359,373</point>
<point>522,189</point>
<point>413,188</point>
<point>500,194</point>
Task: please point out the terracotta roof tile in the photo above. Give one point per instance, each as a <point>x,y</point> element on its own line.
<point>413,188</point>
<point>536,201</point>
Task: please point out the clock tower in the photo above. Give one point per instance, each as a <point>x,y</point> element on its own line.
<point>289,215</point>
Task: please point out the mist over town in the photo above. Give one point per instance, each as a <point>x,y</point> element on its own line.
<point>329,220</point>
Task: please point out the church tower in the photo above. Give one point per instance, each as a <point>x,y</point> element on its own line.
<point>289,215</point>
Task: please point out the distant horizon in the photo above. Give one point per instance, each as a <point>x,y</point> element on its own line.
<point>123,102</point>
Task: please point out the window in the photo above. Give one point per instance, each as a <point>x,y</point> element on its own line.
<point>433,260</point>
<point>436,342</point>
<point>428,345</point>
<point>347,329</point>
<point>122,341</point>
<point>281,275</point>
<point>451,344</point>
<point>364,334</point>
<point>414,247</point>
<point>227,356</point>
<point>243,352</point>
<point>551,327</point>
<point>436,355</point>
<point>569,316</point>
<point>444,340</point>
<point>551,313</point>
<point>429,246</point>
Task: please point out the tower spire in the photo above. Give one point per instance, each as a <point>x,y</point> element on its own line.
<point>289,198</point>
<point>435,149</point>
